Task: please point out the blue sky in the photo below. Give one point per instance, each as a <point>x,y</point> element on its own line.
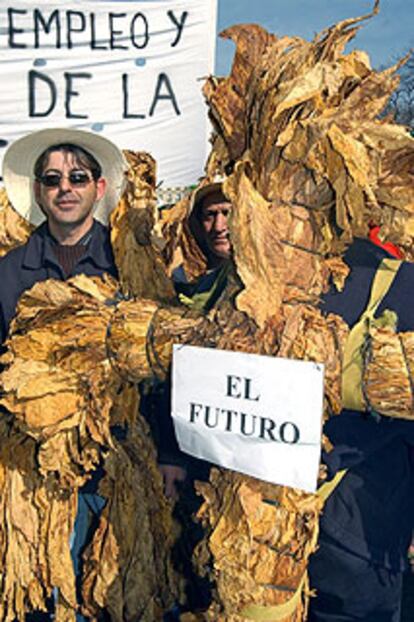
<point>385,37</point>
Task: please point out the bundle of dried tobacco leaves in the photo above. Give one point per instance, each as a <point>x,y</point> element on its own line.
<point>261,536</point>
<point>135,235</point>
<point>64,397</point>
<point>389,373</point>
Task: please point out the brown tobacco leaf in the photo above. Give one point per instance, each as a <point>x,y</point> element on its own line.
<point>348,169</point>
<point>256,248</point>
<point>338,271</point>
<point>35,526</point>
<point>227,97</point>
<point>134,239</point>
<point>14,230</point>
<point>302,243</point>
<point>181,246</point>
<point>46,386</point>
<point>142,336</point>
<point>397,166</point>
<point>191,258</point>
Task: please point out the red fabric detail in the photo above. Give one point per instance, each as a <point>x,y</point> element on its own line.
<point>388,246</point>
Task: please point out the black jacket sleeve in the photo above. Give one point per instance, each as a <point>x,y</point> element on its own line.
<point>359,436</point>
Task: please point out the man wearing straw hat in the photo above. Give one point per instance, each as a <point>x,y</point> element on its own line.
<point>65,182</point>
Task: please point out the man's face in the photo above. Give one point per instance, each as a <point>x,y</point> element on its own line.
<point>68,205</point>
<point>214,213</point>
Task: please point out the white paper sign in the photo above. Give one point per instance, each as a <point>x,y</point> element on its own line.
<point>131,70</point>
<point>255,414</point>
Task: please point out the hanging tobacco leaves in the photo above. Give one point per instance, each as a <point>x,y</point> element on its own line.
<point>135,238</point>
<point>14,230</point>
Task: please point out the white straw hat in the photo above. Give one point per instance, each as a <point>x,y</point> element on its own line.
<point>21,156</point>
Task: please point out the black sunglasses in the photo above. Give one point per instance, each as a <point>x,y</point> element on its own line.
<point>53,180</point>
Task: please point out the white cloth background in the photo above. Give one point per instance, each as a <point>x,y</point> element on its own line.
<point>169,45</point>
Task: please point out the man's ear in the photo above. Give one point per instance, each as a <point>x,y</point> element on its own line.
<point>36,191</point>
<point>100,188</point>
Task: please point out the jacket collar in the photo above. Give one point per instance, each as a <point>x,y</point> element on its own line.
<point>39,248</point>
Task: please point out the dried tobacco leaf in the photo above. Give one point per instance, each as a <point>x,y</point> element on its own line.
<point>310,336</point>
<point>35,523</point>
<point>227,98</point>
<point>142,334</point>
<point>133,235</point>
<point>14,230</point>
<point>256,249</point>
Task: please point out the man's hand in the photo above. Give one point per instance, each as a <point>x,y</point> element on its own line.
<point>172,475</point>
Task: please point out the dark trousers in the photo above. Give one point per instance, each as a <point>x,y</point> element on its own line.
<point>350,589</point>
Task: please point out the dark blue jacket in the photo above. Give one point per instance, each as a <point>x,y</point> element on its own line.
<point>371,513</point>
<point>35,261</point>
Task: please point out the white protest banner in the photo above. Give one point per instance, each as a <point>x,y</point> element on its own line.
<point>131,70</point>
<point>259,415</point>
